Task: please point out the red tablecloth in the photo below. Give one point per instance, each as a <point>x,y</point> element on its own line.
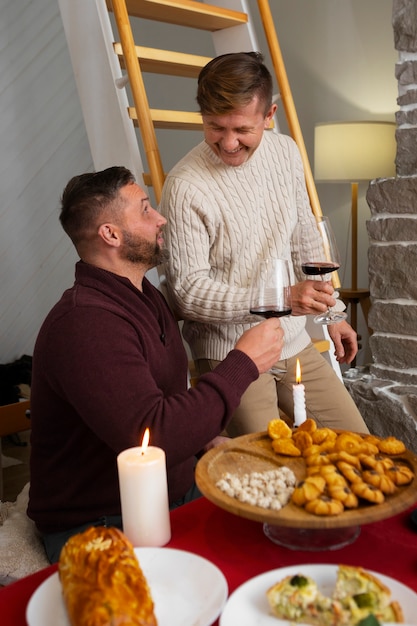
<point>241,550</point>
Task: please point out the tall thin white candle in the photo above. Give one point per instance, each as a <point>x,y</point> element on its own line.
<point>144,495</point>
<point>298,393</point>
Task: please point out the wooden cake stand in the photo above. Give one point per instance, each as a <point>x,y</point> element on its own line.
<point>292,526</point>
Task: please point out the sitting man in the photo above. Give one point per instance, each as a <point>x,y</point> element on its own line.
<point>235,198</point>
<point>109,362</point>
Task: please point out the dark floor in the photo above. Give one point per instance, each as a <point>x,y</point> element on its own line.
<point>16,476</point>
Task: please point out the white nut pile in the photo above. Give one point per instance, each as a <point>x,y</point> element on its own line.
<point>268,490</point>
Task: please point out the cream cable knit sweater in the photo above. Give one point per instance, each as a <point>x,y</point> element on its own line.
<point>222,218</point>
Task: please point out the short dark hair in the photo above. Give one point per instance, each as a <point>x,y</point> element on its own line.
<point>86,197</point>
<point>231,81</point>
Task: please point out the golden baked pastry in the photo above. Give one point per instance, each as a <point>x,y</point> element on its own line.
<point>377,462</point>
<point>391,445</point>
<point>332,475</point>
<point>324,505</point>
<point>323,434</point>
<point>344,494</point>
<point>327,445</point>
<point>313,449</point>
<point>302,439</point>
<point>351,459</point>
<point>368,492</point>
<point>400,474</point>
<point>102,581</point>
<point>352,474</point>
<point>309,425</point>
<point>368,448</point>
<point>308,489</point>
<point>278,429</point>
<point>286,447</point>
<point>382,481</point>
<point>342,458</point>
<point>321,458</point>
<point>373,439</point>
<point>348,442</point>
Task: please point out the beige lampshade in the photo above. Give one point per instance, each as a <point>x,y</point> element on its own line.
<point>354,151</point>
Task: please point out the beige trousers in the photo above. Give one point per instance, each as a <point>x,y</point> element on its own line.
<point>327,400</point>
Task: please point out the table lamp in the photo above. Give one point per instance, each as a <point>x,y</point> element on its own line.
<point>354,152</point>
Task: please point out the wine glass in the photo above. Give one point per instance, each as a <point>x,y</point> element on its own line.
<point>319,257</point>
<point>270,294</point>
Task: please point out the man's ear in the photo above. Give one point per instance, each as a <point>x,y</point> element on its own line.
<point>270,115</point>
<point>110,234</point>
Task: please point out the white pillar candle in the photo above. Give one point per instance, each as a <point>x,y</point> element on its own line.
<point>298,393</point>
<point>144,495</point>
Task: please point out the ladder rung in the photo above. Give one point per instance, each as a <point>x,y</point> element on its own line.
<point>185,13</point>
<point>165,61</point>
<point>178,120</point>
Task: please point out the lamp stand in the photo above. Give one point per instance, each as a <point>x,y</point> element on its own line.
<point>355,296</point>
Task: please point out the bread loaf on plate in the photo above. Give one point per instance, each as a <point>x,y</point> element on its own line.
<point>102,581</point>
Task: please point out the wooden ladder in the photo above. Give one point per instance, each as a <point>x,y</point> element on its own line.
<point>137,60</point>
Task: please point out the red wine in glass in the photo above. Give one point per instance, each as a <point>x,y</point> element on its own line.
<point>319,268</point>
<point>270,292</point>
<point>319,257</point>
<point>270,312</point>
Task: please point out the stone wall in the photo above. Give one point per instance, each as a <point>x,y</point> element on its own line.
<point>386,393</point>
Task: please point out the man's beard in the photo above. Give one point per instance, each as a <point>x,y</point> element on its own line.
<point>140,251</point>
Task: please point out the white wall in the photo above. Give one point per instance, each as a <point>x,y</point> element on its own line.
<point>340,59</point>
<point>42,143</point>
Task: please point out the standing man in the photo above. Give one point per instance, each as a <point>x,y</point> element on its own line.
<point>234,198</point>
<point>109,362</point>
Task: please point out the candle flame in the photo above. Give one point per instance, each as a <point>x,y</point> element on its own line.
<point>145,441</point>
<point>298,372</point>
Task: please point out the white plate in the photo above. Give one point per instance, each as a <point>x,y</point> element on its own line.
<point>187,590</point>
<point>248,606</point>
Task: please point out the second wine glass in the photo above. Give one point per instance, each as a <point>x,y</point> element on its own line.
<point>270,294</point>
<point>319,257</point>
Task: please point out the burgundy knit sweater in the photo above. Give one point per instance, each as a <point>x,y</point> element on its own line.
<point>108,362</point>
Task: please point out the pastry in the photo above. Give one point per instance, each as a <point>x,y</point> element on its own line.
<point>332,475</point>
<point>313,449</point>
<point>309,425</point>
<point>391,445</point>
<point>368,492</point>
<point>102,581</point>
<point>357,594</point>
<point>286,447</point>
<point>361,594</point>
<point>323,434</point>
<point>321,458</point>
<point>352,474</point>
<point>278,429</point>
<point>348,442</point>
<point>377,462</point>
<point>298,599</point>
<point>351,459</point>
<point>382,481</point>
<point>309,489</point>
<point>343,459</point>
<point>324,505</point>
<point>400,474</point>
<point>302,439</point>
<point>344,494</point>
